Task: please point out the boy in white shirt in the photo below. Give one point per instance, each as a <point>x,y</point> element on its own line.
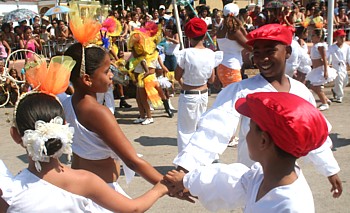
<point>195,68</point>
<point>340,53</point>
<point>283,127</point>
<point>271,48</point>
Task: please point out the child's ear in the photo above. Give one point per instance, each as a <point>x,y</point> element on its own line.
<point>266,140</point>
<point>15,135</point>
<point>289,51</point>
<point>87,80</point>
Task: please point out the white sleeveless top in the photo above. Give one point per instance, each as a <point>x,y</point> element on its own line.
<point>232,53</point>
<point>89,145</point>
<point>32,194</point>
<point>86,144</point>
<point>314,54</point>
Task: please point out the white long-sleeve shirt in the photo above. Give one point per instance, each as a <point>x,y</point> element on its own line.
<point>228,187</point>
<point>218,124</point>
<point>340,56</point>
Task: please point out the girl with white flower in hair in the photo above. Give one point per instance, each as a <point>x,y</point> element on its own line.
<point>47,184</point>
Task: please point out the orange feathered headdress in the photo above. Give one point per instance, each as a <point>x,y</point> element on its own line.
<point>52,79</point>
<point>84,29</point>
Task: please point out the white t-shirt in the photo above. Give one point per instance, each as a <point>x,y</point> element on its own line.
<point>198,64</point>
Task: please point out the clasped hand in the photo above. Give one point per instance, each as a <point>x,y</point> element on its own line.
<point>173,180</point>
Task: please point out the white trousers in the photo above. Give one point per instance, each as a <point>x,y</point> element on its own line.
<point>340,81</point>
<point>190,109</point>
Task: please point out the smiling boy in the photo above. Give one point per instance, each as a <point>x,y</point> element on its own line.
<point>271,48</point>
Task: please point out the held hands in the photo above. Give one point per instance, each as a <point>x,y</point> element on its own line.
<point>176,188</point>
<point>337,187</point>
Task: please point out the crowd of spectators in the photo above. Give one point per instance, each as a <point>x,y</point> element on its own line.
<point>49,36</point>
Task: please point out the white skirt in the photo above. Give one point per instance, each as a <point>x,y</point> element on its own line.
<point>316,76</point>
<point>164,82</point>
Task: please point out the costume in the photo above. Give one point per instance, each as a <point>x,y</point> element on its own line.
<point>27,186</point>
<point>87,144</point>
<point>198,65</point>
<point>217,125</point>
<point>340,57</point>
<point>229,71</point>
<point>316,76</point>
<point>228,187</point>
<point>144,42</point>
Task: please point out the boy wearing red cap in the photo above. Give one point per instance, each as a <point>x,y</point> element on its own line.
<point>195,67</point>
<point>340,53</point>
<point>283,127</point>
<point>271,48</point>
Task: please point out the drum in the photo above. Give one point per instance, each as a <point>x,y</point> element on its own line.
<point>119,76</point>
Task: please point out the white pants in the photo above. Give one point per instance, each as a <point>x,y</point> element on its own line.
<point>340,82</point>
<point>190,109</point>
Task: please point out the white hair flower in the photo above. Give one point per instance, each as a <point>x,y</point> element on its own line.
<point>34,140</point>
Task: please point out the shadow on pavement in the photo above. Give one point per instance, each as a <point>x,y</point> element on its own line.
<point>338,142</point>
<point>156,141</point>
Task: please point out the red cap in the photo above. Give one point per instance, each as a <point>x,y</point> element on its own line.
<point>195,27</point>
<point>294,124</point>
<point>275,32</point>
<point>339,33</point>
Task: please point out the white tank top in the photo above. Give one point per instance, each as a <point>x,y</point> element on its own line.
<point>86,144</point>
<point>232,53</point>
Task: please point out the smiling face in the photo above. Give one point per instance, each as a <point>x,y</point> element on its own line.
<point>270,57</point>
<point>102,77</point>
<point>28,34</point>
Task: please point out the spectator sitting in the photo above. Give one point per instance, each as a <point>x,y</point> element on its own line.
<point>12,87</point>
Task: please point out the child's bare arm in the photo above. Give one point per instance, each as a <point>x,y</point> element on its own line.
<point>145,68</point>
<point>99,192</point>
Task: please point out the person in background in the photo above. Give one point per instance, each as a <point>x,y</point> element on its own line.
<point>195,68</point>
<point>340,59</point>
<point>5,48</point>
<point>9,36</point>
<point>321,73</point>
<point>30,42</point>
<point>231,40</point>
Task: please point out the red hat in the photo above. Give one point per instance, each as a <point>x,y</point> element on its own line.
<point>195,27</point>
<point>294,124</point>
<point>275,32</point>
<point>339,33</point>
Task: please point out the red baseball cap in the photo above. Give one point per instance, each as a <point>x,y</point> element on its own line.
<point>275,32</point>
<point>294,124</point>
<point>195,27</point>
<point>339,33</point>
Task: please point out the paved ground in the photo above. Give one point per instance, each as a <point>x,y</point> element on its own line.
<point>157,143</point>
